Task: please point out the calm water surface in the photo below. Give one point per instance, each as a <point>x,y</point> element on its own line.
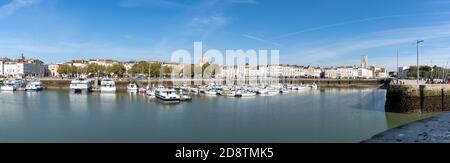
<point>326,115</point>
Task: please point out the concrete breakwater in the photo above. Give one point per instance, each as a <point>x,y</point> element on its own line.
<point>122,83</point>
<point>418,99</point>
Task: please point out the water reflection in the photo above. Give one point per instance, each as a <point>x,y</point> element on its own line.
<point>325,115</point>
<point>78,102</point>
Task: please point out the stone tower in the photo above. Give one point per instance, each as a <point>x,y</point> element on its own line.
<point>364,61</point>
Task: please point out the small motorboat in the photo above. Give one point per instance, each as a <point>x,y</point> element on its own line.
<point>248,94</point>
<point>34,85</point>
<point>132,88</point>
<point>167,95</point>
<point>184,96</point>
<point>108,86</point>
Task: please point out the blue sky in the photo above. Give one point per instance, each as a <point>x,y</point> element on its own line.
<point>313,32</point>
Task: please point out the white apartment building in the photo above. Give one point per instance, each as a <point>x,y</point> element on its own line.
<point>313,72</point>
<point>341,73</point>
<point>34,68</point>
<point>365,73</point>
<point>2,67</point>
<point>78,63</point>
<point>103,62</point>
<point>291,71</point>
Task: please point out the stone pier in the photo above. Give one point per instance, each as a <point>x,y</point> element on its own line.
<point>418,98</point>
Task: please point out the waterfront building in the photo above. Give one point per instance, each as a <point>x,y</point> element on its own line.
<point>331,73</point>
<point>78,63</point>
<point>23,67</point>
<point>2,65</point>
<point>403,72</point>
<point>344,72</point>
<point>128,64</point>
<point>53,70</point>
<point>364,73</point>
<point>314,72</point>
<point>380,73</point>
<point>103,62</point>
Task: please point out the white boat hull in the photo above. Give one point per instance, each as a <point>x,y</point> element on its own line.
<point>8,88</point>
<point>211,93</point>
<point>108,89</point>
<point>248,95</point>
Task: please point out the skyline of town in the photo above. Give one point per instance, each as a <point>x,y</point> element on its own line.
<point>153,29</point>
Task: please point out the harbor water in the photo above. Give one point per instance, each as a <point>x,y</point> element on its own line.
<point>324,115</point>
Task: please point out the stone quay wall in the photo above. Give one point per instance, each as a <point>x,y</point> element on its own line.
<point>418,98</point>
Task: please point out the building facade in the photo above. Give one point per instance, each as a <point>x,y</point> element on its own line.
<point>53,70</point>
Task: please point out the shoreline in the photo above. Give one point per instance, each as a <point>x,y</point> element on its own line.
<point>435,129</point>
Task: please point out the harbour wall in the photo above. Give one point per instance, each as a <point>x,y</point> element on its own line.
<point>418,98</point>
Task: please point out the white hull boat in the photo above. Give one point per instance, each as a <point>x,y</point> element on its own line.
<point>132,88</point>
<point>81,85</point>
<point>167,95</point>
<point>248,94</point>
<point>35,85</point>
<point>107,86</point>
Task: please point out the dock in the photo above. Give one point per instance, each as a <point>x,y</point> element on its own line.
<point>413,98</point>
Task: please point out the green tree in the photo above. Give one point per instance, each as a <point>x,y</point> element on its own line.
<point>64,70</point>
<point>167,71</point>
<point>95,69</point>
<point>155,69</point>
<point>140,68</point>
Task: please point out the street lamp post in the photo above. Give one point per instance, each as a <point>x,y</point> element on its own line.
<point>418,68</point>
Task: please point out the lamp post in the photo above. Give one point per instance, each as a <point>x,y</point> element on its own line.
<point>418,68</point>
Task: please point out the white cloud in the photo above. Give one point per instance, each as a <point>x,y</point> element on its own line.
<point>347,51</point>
<point>211,20</point>
<point>16,5</point>
<point>323,27</point>
<point>260,39</point>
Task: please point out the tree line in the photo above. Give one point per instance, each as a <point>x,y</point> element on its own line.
<point>154,69</point>
<point>116,70</point>
<point>428,72</point>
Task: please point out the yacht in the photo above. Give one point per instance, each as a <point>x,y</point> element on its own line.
<point>142,90</point>
<point>184,96</point>
<point>167,95</point>
<point>81,85</point>
<point>211,92</point>
<point>229,93</point>
<point>314,86</point>
<point>150,91</point>
<point>284,90</point>
<point>238,93</point>
<point>34,85</point>
<point>248,94</point>
<point>132,87</point>
<point>194,90</point>
<point>10,85</point>
<point>107,85</point>
<point>272,91</point>
<point>263,91</point>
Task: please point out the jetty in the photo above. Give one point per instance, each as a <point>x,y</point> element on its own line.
<point>413,98</point>
<point>432,130</point>
<point>416,99</point>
